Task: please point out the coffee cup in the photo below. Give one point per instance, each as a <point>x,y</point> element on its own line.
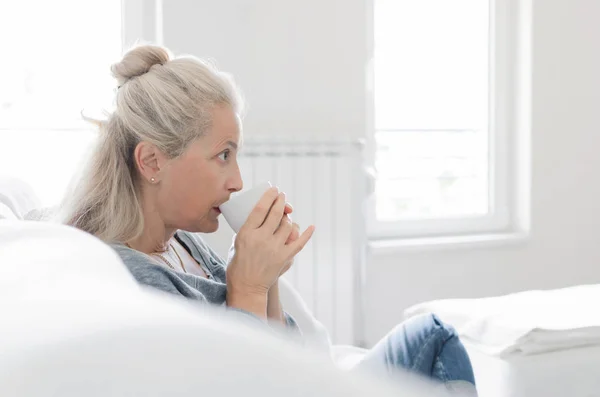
<point>237,209</point>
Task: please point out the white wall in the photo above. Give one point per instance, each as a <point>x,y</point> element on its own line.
<point>302,67</point>
<point>300,64</point>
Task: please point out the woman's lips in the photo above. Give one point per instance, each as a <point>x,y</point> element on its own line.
<point>217,210</point>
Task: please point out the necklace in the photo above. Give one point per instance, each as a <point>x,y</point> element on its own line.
<point>160,252</point>
<point>170,265</point>
<point>161,256</point>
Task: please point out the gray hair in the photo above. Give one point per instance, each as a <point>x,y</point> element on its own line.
<point>162,100</point>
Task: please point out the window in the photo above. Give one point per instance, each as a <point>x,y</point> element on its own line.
<point>440,118</point>
<point>56,65</point>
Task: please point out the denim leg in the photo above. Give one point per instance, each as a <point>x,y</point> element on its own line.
<point>424,345</point>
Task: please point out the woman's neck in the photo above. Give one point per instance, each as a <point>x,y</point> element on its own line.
<point>156,235</point>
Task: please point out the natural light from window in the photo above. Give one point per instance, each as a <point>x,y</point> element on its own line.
<point>56,64</point>
<point>431,74</point>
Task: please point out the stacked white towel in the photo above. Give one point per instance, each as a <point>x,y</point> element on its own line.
<point>523,323</point>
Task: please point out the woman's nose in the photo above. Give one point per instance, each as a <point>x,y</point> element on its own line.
<point>236,184</point>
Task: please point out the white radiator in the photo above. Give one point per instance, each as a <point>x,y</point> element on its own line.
<point>325,183</point>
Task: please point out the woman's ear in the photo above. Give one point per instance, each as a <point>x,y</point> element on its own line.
<point>149,161</point>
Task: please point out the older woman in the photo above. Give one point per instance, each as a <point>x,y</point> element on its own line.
<point>164,162</point>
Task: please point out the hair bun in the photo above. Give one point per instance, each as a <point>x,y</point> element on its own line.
<point>138,61</point>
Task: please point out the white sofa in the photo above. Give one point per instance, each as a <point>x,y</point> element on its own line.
<point>75,323</point>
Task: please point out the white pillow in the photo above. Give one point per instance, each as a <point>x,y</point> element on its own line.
<point>6,213</point>
<point>36,255</point>
<point>18,195</point>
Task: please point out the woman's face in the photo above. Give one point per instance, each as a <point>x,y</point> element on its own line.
<point>193,185</point>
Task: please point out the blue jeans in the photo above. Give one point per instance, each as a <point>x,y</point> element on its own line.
<point>426,346</point>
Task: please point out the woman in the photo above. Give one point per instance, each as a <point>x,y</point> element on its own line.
<point>165,161</point>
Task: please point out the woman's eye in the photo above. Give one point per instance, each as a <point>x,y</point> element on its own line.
<point>224,155</point>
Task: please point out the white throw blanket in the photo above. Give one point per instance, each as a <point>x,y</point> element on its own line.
<point>523,323</point>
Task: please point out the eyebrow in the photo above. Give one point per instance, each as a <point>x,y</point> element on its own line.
<point>232,144</point>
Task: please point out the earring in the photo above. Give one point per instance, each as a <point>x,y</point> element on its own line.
<point>152,180</point>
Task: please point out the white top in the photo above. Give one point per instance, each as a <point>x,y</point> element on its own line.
<point>181,260</point>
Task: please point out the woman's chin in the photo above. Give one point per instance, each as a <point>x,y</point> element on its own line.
<point>204,226</point>
<point>211,226</point>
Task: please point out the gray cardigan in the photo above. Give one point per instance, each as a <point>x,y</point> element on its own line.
<point>212,291</point>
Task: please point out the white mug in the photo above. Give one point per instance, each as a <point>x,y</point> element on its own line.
<point>237,209</point>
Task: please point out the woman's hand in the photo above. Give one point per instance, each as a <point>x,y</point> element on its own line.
<point>274,309</point>
<point>261,252</point>
<point>293,235</point>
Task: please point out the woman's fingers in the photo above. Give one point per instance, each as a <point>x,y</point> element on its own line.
<point>286,227</point>
<point>297,245</point>
<point>275,215</point>
<point>288,208</point>
<point>262,208</point>
<point>294,234</point>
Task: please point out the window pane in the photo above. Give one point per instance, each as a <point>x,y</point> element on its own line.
<point>59,53</point>
<point>58,64</point>
<point>430,174</point>
<point>431,108</point>
<point>45,159</point>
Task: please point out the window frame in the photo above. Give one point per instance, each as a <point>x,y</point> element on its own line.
<point>141,21</point>
<point>504,69</point>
